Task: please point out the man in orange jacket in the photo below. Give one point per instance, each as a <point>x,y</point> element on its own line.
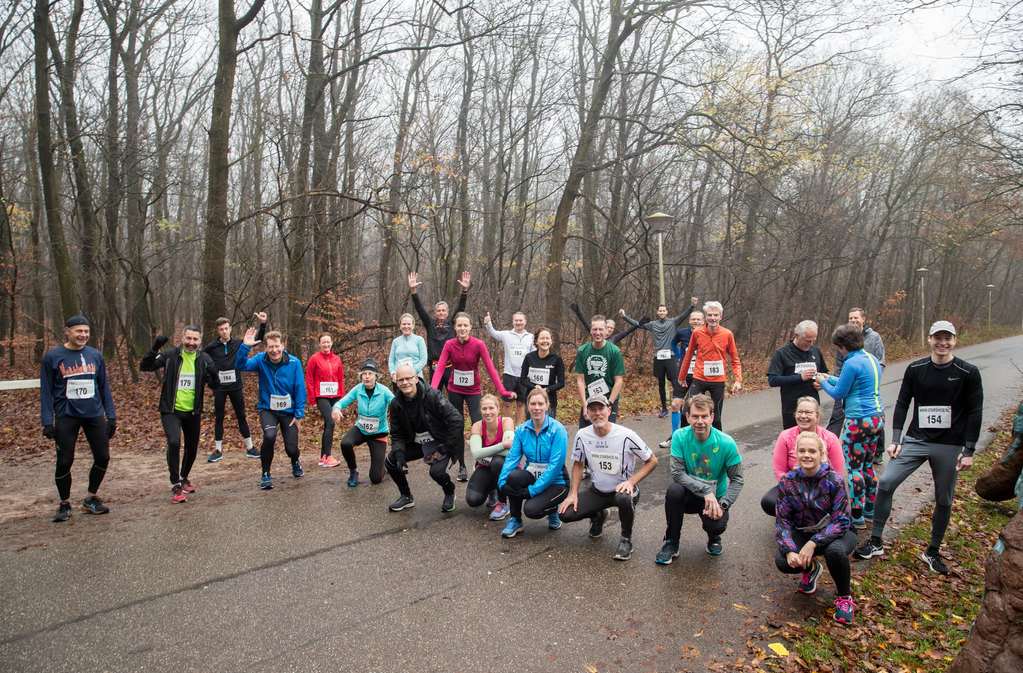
<point>711,344</point>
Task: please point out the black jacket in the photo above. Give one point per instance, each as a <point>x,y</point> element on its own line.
<point>224,355</point>
<point>437,336</point>
<point>170,360</point>
<point>435,415</point>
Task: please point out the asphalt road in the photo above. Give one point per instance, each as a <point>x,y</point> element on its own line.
<point>318,576</point>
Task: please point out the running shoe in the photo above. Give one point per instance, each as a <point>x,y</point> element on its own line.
<point>186,486</point>
<point>266,482</point>
<point>934,560</point>
<point>501,511</point>
<point>353,478</point>
<point>319,463</point>
<point>252,453</point>
<point>513,528</point>
<point>215,456</point>
<point>869,549</point>
<point>879,458</point>
<point>663,414</point>
<point>597,523</point>
<point>449,503</point>
<point>868,515</point>
<point>463,475</point>
<point>177,494</point>
<point>668,552</point>
<point>714,546</point>
<point>666,444</point>
<point>492,499</point>
<point>553,521</point>
<point>808,585</point>
<point>844,610</point>
<point>403,502</point>
<point>624,552</point>
<point>94,505</point>
<point>63,512</point>
<point>859,524</point>
<point>329,461</point>
<point>296,469</point>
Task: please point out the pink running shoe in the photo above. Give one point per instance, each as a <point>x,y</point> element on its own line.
<point>330,461</point>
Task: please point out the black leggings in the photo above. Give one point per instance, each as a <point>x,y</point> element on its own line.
<point>377,448</point>
<point>444,378</point>
<point>770,501</point>
<point>667,369</point>
<point>471,401</point>
<point>173,426</point>
<point>438,470</point>
<point>289,433</point>
<point>325,404</point>
<point>67,428</point>
<point>716,392</point>
<point>592,502</point>
<point>540,505</point>
<point>679,501</point>
<point>835,553</point>
<point>219,404</point>
<point>484,480</point>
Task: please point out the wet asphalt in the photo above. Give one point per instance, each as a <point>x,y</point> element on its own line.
<point>318,576</point>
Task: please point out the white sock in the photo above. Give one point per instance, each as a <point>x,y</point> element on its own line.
<point>248,442</point>
<point>220,445</point>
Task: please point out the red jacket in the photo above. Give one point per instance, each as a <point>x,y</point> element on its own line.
<point>323,368</point>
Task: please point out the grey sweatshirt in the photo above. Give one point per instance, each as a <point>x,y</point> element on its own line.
<point>663,330</point>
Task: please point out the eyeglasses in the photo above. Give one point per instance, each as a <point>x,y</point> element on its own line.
<point>407,379</point>
<point>806,413</point>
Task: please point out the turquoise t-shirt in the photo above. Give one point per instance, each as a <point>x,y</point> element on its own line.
<point>706,460</point>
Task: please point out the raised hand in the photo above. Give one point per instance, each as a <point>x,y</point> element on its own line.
<point>260,316</point>
<point>250,337</point>
<point>693,301</point>
<point>465,281</point>
<point>486,318</point>
<point>621,312</point>
<point>413,281</point>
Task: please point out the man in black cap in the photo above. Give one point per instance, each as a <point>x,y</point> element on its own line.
<point>423,425</point>
<point>74,395</point>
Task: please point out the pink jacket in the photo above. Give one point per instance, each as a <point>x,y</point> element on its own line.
<point>785,451</point>
<point>466,357</point>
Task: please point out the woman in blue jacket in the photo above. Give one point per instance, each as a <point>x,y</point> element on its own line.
<point>860,387</point>
<point>541,484</point>
<point>371,425</point>
<point>407,349</point>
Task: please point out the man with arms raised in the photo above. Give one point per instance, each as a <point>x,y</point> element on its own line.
<point>439,330</point>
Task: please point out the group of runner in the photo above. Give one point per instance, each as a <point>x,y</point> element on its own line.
<point>826,483</point>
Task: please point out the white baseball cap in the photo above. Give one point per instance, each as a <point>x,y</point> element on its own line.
<point>942,326</point>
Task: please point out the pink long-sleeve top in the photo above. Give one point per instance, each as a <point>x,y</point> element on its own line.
<point>785,459</point>
<point>465,357</point>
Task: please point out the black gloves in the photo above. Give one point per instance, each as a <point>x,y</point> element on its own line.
<point>521,493</point>
<point>160,341</point>
<point>399,462</point>
<point>574,306</point>
<point>49,432</point>
<point>644,321</point>
<point>111,427</point>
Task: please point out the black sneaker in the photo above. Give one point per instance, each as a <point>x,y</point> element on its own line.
<point>624,552</point>
<point>714,546</point>
<point>597,523</point>
<point>93,504</point>
<point>403,502</point>
<point>449,503</point>
<point>463,475</point>
<point>934,560</point>
<point>252,453</point>
<point>869,549</point>
<point>215,456</point>
<point>63,512</point>
<point>668,552</point>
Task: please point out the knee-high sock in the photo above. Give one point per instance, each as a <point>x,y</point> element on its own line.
<point>676,419</point>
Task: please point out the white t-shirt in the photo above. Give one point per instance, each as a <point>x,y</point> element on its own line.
<point>612,458</point>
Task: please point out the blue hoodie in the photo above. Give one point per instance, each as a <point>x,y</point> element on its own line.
<point>286,379</point>
<point>859,385</point>
<point>549,446</point>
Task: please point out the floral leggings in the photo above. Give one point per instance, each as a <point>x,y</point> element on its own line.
<point>859,444</point>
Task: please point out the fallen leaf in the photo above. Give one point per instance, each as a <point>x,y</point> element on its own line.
<point>779,649</point>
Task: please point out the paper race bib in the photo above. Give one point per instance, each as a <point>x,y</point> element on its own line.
<point>692,366</point>
<point>186,381</point>
<point>598,387</point>
<point>328,388</point>
<point>713,483</point>
<point>463,378</point>
<point>539,376</point>
<point>935,417</point>
<point>536,469</point>
<point>818,527</point>
<point>517,352</point>
<point>805,367</point>
<point>714,368</point>
<point>369,425</point>
<point>81,389</point>
<point>606,462</point>
<point>228,376</point>
<point>280,402</point>
<point>663,354</point>
<point>484,461</point>
<point>423,437</point>
<point>403,362</point>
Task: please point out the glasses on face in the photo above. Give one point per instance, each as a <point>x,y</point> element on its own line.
<point>407,379</point>
<point>806,413</point>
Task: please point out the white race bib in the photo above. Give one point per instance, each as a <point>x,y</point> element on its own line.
<point>935,417</point>
<point>598,387</point>
<point>280,402</point>
<point>607,463</point>
<point>536,469</point>
<point>714,368</point>
<point>805,367</point>
<point>186,381</point>
<point>692,366</point>
<point>663,354</point>
<point>713,483</point>
<point>462,378</point>
<point>81,389</point>
<point>423,437</point>
<point>484,461</point>
<point>328,388</point>
<point>539,376</point>
<point>369,425</point>
<point>403,362</point>
<point>517,352</point>
<point>228,376</point>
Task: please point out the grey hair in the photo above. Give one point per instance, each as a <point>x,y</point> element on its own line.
<point>713,304</point>
<point>192,328</point>
<point>441,303</point>
<point>802,327</point>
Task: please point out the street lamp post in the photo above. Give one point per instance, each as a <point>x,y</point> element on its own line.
<point>990,288</point>
<point>659,223</point>
<point>923,323</point>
